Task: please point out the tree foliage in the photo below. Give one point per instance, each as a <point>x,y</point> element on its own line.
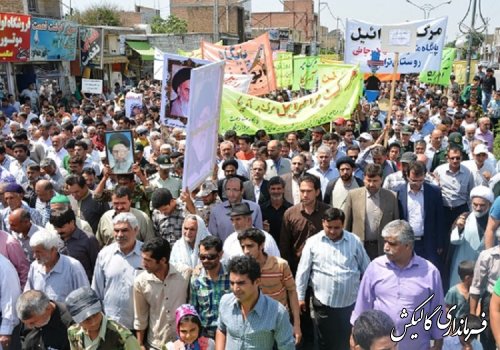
<point>98,15</point>
<point>171,25</point>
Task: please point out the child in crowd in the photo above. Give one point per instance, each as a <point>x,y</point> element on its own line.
<point>459,294</point>
<point>189,328</point>
<point>458,342</point>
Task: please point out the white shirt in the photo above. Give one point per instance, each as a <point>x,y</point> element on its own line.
<point>416,211</point>
<point>232,246</point>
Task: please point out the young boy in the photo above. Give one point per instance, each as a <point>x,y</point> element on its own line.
<point>459,294</point>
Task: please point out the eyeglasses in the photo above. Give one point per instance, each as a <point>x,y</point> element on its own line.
<point>207,256</point>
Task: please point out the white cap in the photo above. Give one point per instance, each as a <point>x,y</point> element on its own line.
<point>481,148</point>
<point>366,136</point>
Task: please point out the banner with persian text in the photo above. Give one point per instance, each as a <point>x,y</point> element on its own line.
<point>441,77</point>
<point>52,40</point>
<point>283,67</point>
<point>305,72</point>
<point>14,37</point>
<point>253,57</point>
<point>91,47</point>
<point>337,98</point>
<point>363,47</point>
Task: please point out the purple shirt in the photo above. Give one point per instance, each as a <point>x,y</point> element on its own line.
<point>486,137</point>
<point>391,289</point>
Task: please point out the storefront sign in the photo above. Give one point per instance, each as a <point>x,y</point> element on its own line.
<point>14,37</point>
<point>52,40</point>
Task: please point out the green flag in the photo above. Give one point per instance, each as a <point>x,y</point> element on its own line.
<point>283,67</point>
<point>441,77</point>
<point>305,72</point>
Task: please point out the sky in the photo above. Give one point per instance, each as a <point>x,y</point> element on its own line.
<point>376,11</point>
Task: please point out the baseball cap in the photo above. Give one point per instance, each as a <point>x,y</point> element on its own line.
<point>481,148</point>
<point>365,136</point>
<point>207,187</point>
<point>375,126</point>
<point>339,121</point>
<point>408,157</point>
<point>407,129</point>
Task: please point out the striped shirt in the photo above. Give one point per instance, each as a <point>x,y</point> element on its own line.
<point>276,279</point>
<point>333,269</point>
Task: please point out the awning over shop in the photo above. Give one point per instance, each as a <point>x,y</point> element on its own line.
<point>142,48</point>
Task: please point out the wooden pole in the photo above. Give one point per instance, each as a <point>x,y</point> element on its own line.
<point>391,97</point>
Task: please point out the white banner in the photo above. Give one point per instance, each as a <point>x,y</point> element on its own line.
<point>238,82</point>
<point>92,86</point>
<point>203,123</point>
<point>158,64</point>
<point>363,47</point>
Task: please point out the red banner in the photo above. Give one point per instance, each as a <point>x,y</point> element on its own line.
<point>253,57</point>
<point>14,37</point>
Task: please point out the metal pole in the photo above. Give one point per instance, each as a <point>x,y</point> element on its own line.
<point>216,21</point>
<point>318,42</point>
<point>469,46</point>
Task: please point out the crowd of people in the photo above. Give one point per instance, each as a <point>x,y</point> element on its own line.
<point>382,232</point>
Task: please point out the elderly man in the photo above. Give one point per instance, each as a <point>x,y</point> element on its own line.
<point>219,223</point>
<point>467,234</point>
<point>482,170</point>
<point>484,133</point>
<point>22,229</point>
<point>56,151</point>
<point>241,218</point>
<point>55,274</point>
<point>44,193</point>
<point>93,327</point>
<point>45,321</point>
<point>400,272</point>
<point>115,270</point>
<point>121,200</point>
<point>55,173</point>
<point>13,196</point>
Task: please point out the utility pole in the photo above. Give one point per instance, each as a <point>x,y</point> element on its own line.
<point>469,45</point>
<point>216,21</point>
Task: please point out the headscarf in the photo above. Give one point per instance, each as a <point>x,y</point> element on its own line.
<point>187,255</point>
<point>184,310</point>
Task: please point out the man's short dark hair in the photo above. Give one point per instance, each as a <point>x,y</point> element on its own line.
<point>158,247</point>
<point>161,197</point>
<point>418,168</point>
<point>373,170</point>
<point>122,191</point>
<point>59,218</point>
<point>20,145</point>
<point>210,242</point>
<point>82,144</point>
<point>76,180</point>
<point>332,214</point>
<point>245,265</point>
<point>245,137</point>
<point>230,134</point>
<point>276,180</point>
<point>312,179</point>
<point>253,234</point>
<point>370,326</point>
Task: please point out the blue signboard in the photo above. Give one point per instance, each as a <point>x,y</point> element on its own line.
<point>52,40</point>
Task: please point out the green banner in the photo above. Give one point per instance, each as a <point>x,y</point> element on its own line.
<point>337,98</point>
<point>305,72</point>
<point>441,77</point>
<point>283,67</point>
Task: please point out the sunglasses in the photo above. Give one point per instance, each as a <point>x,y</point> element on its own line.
<point>207,256</point>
